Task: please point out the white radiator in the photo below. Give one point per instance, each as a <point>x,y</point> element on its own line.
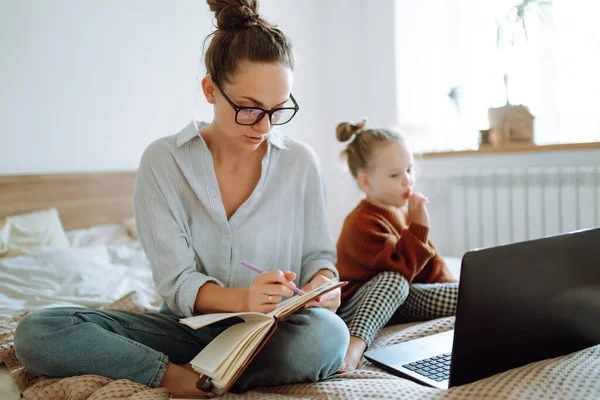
<point>487,207</point>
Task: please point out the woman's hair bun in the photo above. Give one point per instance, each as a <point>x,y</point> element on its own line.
<point>232,13</point>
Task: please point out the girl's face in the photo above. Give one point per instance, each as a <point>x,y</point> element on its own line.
<point>390,179</point>
<point>264,86</point>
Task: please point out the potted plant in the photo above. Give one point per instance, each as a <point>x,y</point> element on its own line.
<point>513,124</point>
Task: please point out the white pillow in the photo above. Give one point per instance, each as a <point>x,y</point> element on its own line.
<point>32,233</point>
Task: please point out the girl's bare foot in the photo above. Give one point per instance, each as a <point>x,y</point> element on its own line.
<point>354,353</point>
<point>343,369</point>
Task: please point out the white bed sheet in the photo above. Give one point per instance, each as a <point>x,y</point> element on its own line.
<point>103,265</point>
<point>90,277</point>
<point>99,235</point>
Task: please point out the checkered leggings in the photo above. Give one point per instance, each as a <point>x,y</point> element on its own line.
<point>389,299</point>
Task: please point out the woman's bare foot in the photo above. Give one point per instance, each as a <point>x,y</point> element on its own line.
<point>180,379</point>
<point>188,366</point>
<point>354,353</point>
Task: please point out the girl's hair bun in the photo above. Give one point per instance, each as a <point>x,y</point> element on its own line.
<point>345,130</point>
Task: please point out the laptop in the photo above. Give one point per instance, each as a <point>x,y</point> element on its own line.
<point>517,304</point>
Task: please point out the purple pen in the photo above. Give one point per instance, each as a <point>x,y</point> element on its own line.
<point>260,271</point>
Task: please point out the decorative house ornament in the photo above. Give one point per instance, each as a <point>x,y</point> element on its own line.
<point>510,124</point>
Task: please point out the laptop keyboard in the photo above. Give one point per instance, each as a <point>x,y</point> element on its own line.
<point>435,368</point>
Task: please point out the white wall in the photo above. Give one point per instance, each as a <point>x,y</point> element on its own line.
<point>346,70</point>
<point>87,85</point>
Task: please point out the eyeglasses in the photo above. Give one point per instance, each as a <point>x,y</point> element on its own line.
<point>253,115</point>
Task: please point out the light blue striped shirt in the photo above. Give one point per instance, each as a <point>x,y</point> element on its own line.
<point>185,233</point>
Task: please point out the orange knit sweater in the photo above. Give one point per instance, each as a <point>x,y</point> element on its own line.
<point>375,239</point>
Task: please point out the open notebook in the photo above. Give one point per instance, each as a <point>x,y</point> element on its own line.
<point>225,358</point>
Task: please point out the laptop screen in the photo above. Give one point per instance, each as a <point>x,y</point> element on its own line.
<point>526,302</point>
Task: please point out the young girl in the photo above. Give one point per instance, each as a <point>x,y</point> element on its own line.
<point>206,198</point>
<point>394,272</point>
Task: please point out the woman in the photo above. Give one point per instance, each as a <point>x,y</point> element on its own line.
<point>205,199</point>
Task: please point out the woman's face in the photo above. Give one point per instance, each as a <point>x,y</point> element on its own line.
<point>264,86</point>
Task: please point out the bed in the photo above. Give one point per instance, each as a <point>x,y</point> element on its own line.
<point>106,267</point>
<point>103,264</point>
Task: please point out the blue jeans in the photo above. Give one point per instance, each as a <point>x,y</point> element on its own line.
<point>308,346</point>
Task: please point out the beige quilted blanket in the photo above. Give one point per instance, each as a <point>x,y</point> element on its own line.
<point>576,376</point>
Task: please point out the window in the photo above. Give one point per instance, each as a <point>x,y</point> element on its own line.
<point>445,44</point>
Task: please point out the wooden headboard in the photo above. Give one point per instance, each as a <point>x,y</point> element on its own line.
<point>82,200</point>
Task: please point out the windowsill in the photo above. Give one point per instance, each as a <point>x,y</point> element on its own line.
<point>515,149</point>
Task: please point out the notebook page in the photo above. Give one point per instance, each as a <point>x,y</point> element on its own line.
<point>227,345</point>
<point>293,302</point>
<point>227,372</point>
<point>199,321</point>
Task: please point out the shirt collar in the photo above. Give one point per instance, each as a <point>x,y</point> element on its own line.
<point>275,138</point>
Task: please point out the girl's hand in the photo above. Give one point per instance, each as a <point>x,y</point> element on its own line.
<point>417,211</point>
<point>330,300</point>
<point>268,289</point>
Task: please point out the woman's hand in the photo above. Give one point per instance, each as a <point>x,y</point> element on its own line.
<point>330,300</point>
<point>268,289</point>
<point>417,211</point>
